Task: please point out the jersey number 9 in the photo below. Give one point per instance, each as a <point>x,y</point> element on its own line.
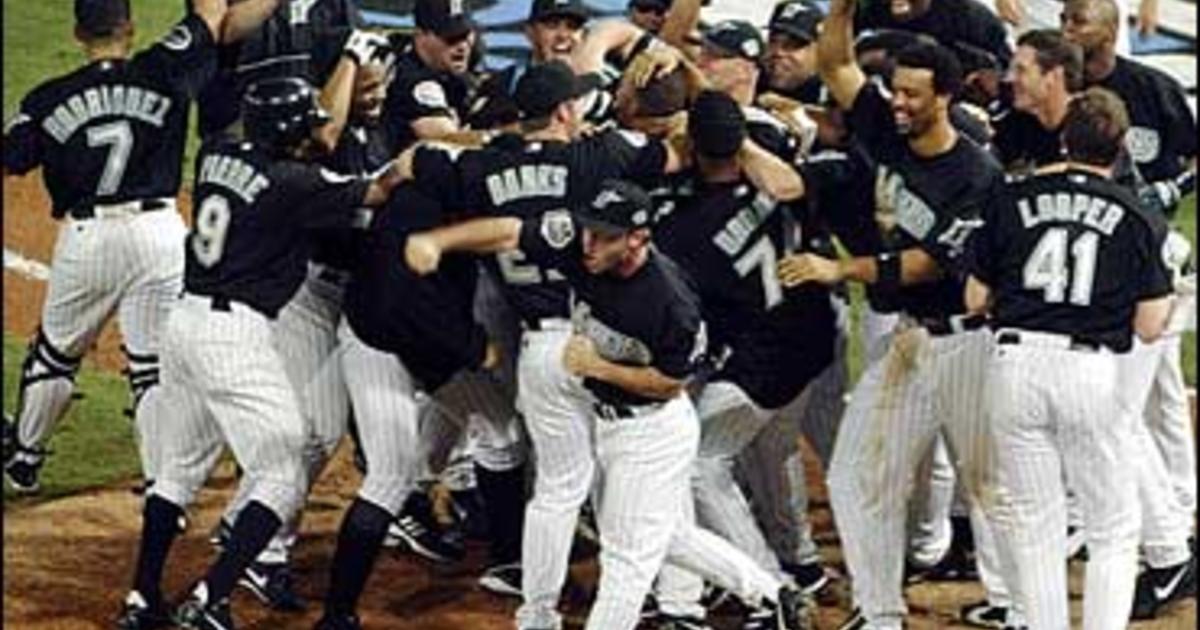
<point>208,236</point>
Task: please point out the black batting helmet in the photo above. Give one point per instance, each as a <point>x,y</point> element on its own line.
<point>280,112</point>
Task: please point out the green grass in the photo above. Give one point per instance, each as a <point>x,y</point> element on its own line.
<point>39,43</point>
<point>93,446</point>
<point>1186,222</point>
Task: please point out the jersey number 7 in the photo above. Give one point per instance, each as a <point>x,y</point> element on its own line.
<point>1046,267</point>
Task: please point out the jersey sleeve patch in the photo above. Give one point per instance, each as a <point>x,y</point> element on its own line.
<point>178,39</point>
<point>17,120</point>
<point>1143,144</point>
<point>558,228</point>
<point>430,94</point>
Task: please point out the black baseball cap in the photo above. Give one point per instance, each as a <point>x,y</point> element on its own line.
<point>651,5</point>
<point>101,17</point>
<point>797,18</point>
<point>716,124</point>
<point>448,19</point>
<point>619,206</point>
<point>545,86</point>
<point>738,38</point>
<point>545,9</point>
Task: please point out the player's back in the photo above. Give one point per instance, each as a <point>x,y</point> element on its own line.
<point>1070,251</point>
<point>251,210</point>
<point>114,130</point>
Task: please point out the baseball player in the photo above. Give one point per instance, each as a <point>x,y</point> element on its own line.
<point>951,22</point>
<point>276,38</point>
<point>1069,268</point>
<point>222,377</point>
<point>637,334</point>
<point>305,332</point>
<point>542,170</point>
<point>109,138</point>
<point>776,341</point>
<point>929,182</point>
<point>790,67</point>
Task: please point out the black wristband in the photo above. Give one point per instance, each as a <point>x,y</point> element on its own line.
<point>887,271</point>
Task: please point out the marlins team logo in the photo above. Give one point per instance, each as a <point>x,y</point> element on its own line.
<point>1142,143</point>
<point>180,38</point>
<point>430,94</point>
<point>558,228</point>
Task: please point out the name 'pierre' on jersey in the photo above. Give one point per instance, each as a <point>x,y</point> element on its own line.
<point>106,100</point>
<point>1097,213</point>
<point>235,174</point>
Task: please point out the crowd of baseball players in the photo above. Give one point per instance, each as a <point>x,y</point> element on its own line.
<point>600,294</point>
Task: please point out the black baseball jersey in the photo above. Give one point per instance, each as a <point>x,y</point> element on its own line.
<point>950,22</point>
<point>729,238</point>
<point>650,319</point>
<point>419,91</point>
<point>251,212</point>
<point>1022,143</point>
<point>427,321</point>
<point>526,179</point>
<point>834,191</point>
<point>931,203</point>
<point>302,38</point>
<point>769,133</point>
<point>1162,132</point>
<point>493,103</point>
<point>1070,253</point>
<point>361,152</point>
<point>114,130</point>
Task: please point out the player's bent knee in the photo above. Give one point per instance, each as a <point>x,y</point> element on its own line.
<point>45,362</point>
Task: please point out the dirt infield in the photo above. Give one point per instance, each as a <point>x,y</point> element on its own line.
<point>67,563</point>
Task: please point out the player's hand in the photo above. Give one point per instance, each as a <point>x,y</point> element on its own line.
<point>652,63</point>
<point>793,114</point>
<point>365,47</point>
<point>1011,11</point>
<point>797,269</point>
<point>580,355</point>
<point>491,356</point>
<point>422,254</point>
<point>1147,18</point>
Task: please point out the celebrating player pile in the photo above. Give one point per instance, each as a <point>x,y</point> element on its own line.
<point>624,260</point>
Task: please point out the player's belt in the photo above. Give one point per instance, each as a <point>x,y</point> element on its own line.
<point>939,326</point>
<point>612,412</point>
<point>1011,337</point>
<point>119,210</point>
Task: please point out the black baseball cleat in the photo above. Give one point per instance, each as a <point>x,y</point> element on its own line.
<point>811,578</point>
<point>273,585</point>
<point>137,613</point>
<point>982,614</point>
<point>338,621</point>
<point>792,610</point>
<point>1159,588</point>
<point>197,613</point>
<point>502,579</point>
<point>24,468</point>
<point>958,565</point>
<point>416,529</point>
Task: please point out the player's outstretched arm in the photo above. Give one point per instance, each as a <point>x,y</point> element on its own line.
<point>602,39</point>
<point>423,250</point>
<point>581,358</point>
<point>682,18</point>
<point>907,267</point>
<point>835,54</point>
<point>244,18</point>
<point>769,173</point>
<point>1150,317</point>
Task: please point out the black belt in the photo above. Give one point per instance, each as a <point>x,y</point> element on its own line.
<point>88,211</point>
<point>940,326</point>
<point>220,303</point>
<point>609,411</point>
<point>1013,338</point>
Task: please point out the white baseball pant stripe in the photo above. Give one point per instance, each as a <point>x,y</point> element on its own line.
<point>306,338</point>
<point>642,524</point>
<point>386,411</point>
<point>225,384</point>
<point>557,416</point>
<point>1169,418</point>
<point>923,385</point>
<point>1055,412</point>
<point>131,266</point>
<point>1166,524</point>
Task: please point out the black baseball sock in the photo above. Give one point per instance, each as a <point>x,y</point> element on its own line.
<point>161,523</point>
<point>504,497</point>
<point>963,536</point>
<point>255,526</point>
<point>359,542</point>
